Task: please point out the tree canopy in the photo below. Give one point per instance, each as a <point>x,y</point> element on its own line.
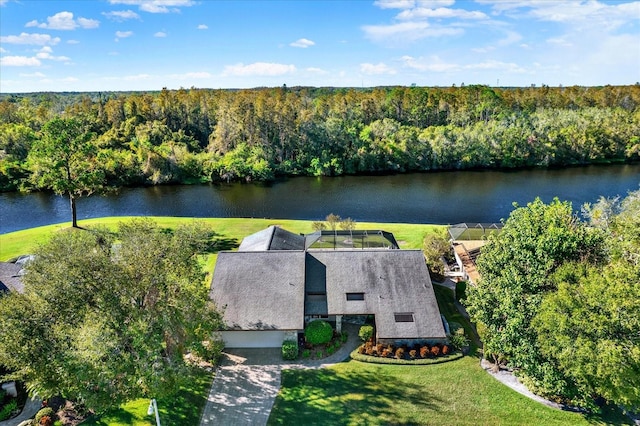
<point>200,135</point>
<point>558,300</point>
<point>65,160</point>
<point>107,317</point>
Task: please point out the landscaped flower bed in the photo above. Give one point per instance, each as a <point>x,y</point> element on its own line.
<point>418,355</point>
<point>319,351</point>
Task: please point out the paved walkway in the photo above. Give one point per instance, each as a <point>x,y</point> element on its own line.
<point>248,381</point>
<point>29,411</point>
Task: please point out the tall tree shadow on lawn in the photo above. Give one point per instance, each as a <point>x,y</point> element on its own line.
<point>330,397</point>
<point>221,243</point>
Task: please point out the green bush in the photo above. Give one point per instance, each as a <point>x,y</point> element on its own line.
<point>289,349</point>
<point>318,332</point>
<point>458,340</point>
<point>461,291</point>
<point>306,353</point>
<point>46,411</point>
<point>366,332</point>
<point>8,409</point>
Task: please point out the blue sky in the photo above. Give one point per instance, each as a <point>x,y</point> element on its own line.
<point>150,44</point>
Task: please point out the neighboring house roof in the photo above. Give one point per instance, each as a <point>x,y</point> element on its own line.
<point>275,288</point>
<point>272,238</point>
<point>260,290</point>
<point>10,274</point>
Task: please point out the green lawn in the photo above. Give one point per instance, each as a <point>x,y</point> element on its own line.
<point>183,409</point>
<point>231,230</point>
<point>454,393</point>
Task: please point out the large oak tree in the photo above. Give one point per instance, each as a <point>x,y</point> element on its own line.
<point>65,160</point>
<point>107,318</point>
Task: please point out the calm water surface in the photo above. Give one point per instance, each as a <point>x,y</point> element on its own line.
<point>447,197</point>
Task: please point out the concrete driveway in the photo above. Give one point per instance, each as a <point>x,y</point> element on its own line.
<point>244,389</point>
<point>248,381</point>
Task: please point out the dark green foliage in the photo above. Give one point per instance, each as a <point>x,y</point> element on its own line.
<point>289,350</point>
<point>366,332</point>
<point>558,300</point>
<point>8,409</point>
<point>108,318</point>
<point>458,339</point>
<point>222,135</point>
<point>318,332</point>
<point>435,246</point>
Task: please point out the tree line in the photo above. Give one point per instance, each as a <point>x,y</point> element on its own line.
<point>202,135</point>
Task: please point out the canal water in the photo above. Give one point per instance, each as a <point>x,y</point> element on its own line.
<point>443,197</point>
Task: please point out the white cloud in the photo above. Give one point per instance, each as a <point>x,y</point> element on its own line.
<point>259,69</point>
<point>394,4</point>
<point>160,34</point>
<point>302,42</point>
<point>25,38</point>
<point>2,50</point>
<point>191,75</point>
<point>49,56</point>
<point>441,12</point>
<point>19,61</point>
<point>121,15</point>
<point>3,2</point>
<point>157,6</point>
<point>88,23</point>
<point>69,80</point>
<point>137,77</point>
<point>123,34</point>
<point>203,27</point>
<point>376,69</point>
<point>559,41</point>
<point>608,15</point>
<point>73,42</point>
<point>64,21</point>
<point>32,75</point>
<point>407,32</point>
<point>495,65</point>
<point>315,70</point>
<point>433,63</point>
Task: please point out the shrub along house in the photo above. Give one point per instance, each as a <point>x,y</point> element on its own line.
<point>277,281</point>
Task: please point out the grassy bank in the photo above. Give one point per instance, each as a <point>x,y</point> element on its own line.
<point>230,229</point>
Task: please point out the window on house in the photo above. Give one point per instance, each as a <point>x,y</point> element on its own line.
<point>355,296</point>
<point>404,317</point>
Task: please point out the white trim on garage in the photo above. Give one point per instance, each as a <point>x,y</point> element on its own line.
<point>253,339</point>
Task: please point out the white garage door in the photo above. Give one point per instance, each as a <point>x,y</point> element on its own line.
<point>253,339</point>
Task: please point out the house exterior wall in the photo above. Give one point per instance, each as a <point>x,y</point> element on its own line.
<point>254,338</point>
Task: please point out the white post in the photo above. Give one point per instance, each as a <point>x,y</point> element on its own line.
<point>153,408</point>
<point>339,323</point>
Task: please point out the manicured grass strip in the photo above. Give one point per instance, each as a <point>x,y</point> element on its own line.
<point>233,230</point>
<point>460,393</point>
<point>184,408</point>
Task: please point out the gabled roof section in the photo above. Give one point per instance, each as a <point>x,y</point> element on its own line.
<point>272,238</point>
<point>393,282</point>
<point>10,280</point>
<point>260,290</point>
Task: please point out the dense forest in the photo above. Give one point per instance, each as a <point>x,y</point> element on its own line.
<point>203,135</point>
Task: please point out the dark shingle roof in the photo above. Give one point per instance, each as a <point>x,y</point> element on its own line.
<point>271,283</point>
<point>393,281</point>
<point>260,290</point>
<point>9,277</point>
<point>272,238</point>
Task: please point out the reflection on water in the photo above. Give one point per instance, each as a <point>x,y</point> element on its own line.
<point>447,197</point>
